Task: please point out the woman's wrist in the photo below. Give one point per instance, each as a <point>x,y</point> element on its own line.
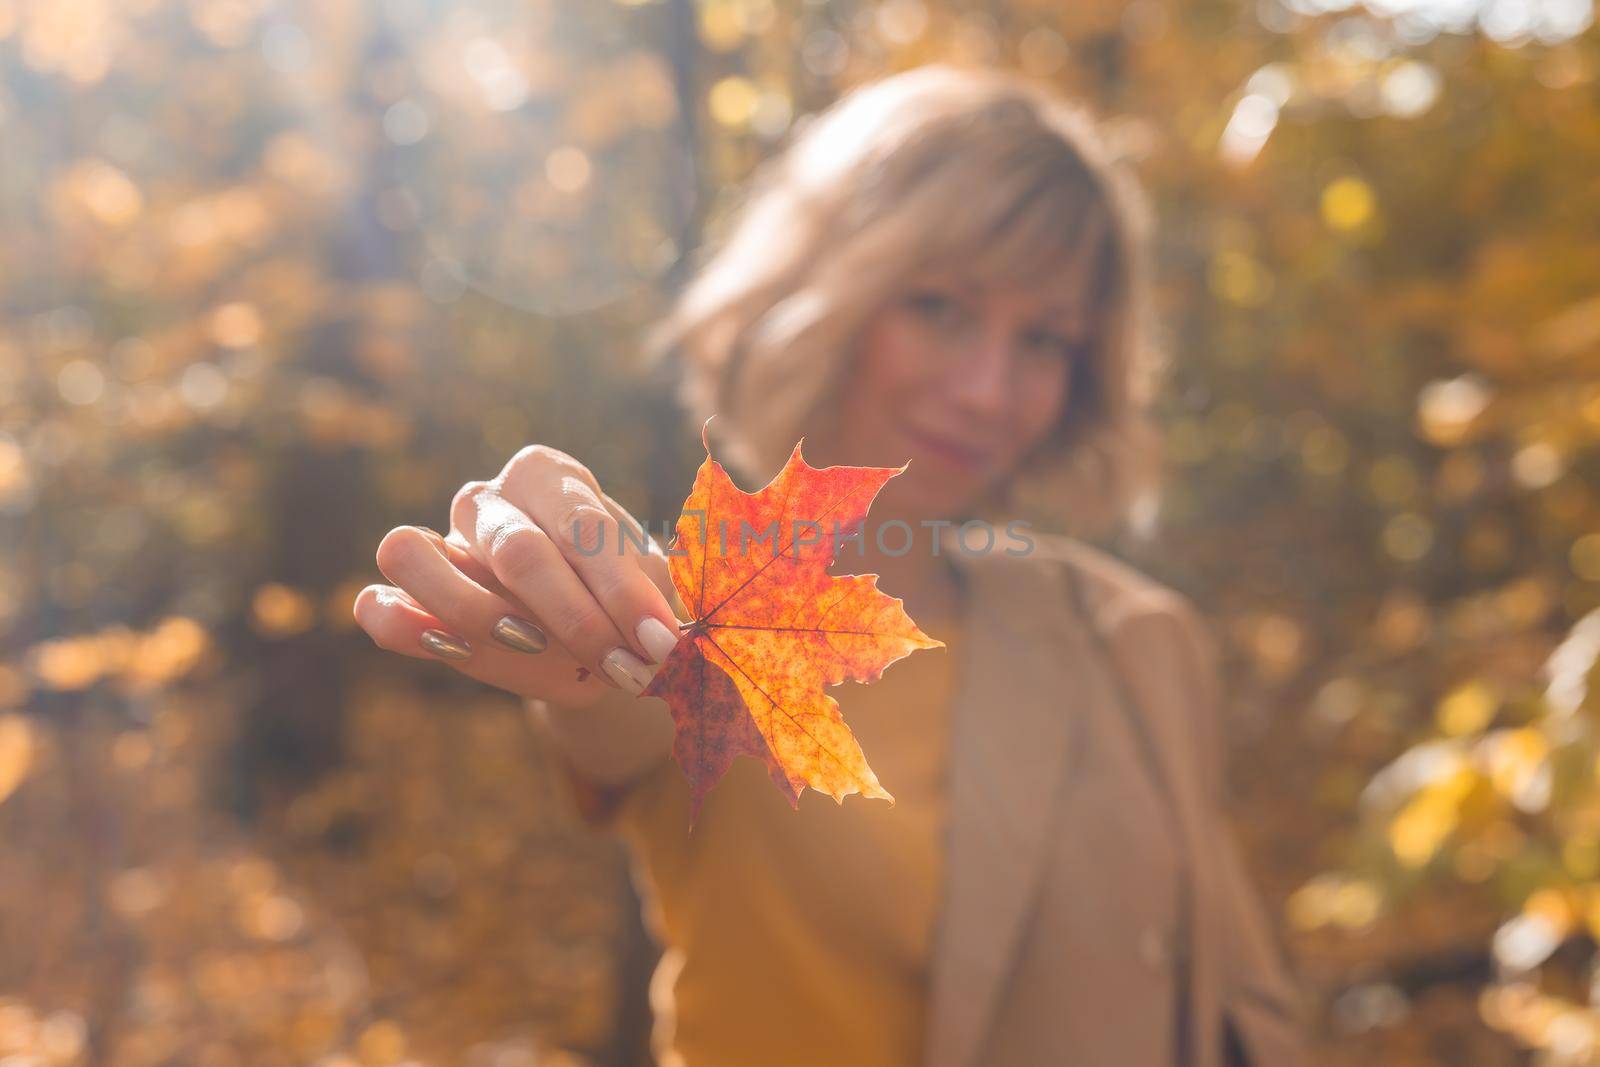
<point>612,740</point>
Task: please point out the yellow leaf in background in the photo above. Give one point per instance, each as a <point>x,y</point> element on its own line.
<point>1467,709</point>
<point>280,611</point>
<point>16,753</point>
<point>68,663</point>
<point>1556,906</point>
<point>383,1042</point>
<point>1518,766</point>
<point>168,652</point>
<point>1347,204</point>
<point>1333,898</point>
<point>733,100</point>
<point>1420,828</point>
<point>1428,819</point>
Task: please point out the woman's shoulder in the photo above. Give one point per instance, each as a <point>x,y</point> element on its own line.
<point>1132,612</point>
<point>1113,591</point>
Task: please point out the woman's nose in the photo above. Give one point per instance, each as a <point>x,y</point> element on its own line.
<point>980,381</point>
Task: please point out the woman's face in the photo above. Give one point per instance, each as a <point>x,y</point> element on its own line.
<point>961,381</point>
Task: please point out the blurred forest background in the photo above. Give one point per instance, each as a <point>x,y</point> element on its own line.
<point>276,276</point>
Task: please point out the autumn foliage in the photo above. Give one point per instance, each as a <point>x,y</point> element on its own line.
<point>283,276</point>
<point>772,629</point>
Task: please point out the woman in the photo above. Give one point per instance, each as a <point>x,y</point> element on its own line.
<point>945,267</point>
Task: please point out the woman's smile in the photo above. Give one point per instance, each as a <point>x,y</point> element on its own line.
<point>949,452</point>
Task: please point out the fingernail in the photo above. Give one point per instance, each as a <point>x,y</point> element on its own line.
<point>656,638</point>
<point>448,646</point>
<point>433,535</point>
<point>626,669</point>
<point>519,635</point>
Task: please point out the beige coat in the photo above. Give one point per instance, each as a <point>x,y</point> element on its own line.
<point>1034,964</point>
<point>1064,937</point>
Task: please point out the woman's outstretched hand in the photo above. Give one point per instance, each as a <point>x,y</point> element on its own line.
<point>544,586</point>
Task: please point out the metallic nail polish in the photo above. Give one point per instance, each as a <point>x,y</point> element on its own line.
<point>519,635</point>
<point>446,645</point>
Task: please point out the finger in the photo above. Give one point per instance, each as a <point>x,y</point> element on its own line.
<point>561,497</point>
<point>394,621</point>
<point>454,545</point>
<point>653,560</point>
<point>397,623</point>
<point>416,561</point>
<point>459,553</point>
<point>529,564</point>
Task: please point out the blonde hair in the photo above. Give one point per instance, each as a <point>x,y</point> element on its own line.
<point>985,171</point>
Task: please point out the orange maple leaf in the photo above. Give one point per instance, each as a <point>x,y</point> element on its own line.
<point>772,629</point>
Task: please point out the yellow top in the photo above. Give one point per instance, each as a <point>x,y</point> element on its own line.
<point>802,938</point>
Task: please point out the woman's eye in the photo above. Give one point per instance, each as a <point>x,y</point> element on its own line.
<point>930,304</point>
<point>1055,343</point>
